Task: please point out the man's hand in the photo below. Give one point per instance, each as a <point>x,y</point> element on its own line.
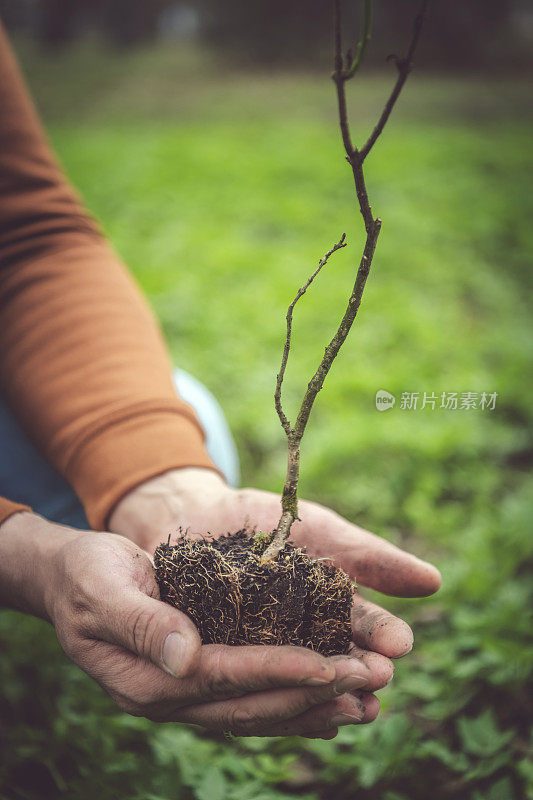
<point>100,593</point>
<point>199,501</point>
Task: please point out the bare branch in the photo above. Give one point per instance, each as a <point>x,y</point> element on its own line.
<point>286,349</point>
<point>355,157</point>
<point>368,9</point>
<point>332,350</point>
<point>362,195</point>
<point>339,63</point>
<point>404,66</point>
<point>339,76</point>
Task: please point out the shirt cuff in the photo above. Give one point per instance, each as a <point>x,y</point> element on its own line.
<point>129,450</point>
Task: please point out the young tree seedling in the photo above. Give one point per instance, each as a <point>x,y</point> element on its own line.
<point>240,589</point>
<point>346,67</point>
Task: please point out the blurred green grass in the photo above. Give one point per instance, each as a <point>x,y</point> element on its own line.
<point>221,190</point>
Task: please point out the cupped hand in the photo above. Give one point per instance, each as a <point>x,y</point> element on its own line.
<point>103,599</point>
<point>198,501</point>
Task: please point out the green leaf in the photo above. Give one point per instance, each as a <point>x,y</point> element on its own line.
<point>212,786</point>
<point>525,769</point>
<point>458,762</point>
<point>501,790</point>
<point>481,735</point>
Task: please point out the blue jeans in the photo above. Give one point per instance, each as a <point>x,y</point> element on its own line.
<point>25,476</point>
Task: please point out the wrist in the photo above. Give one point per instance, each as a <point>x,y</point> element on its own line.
<point>29,547</point>
<point>164,501</point>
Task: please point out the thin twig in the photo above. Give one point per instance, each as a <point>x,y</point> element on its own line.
<point>339,64</point>
<point>332,349</point>
<point>286,349</point>
<point>355,157</point>
<point>368,8</point>
<point>404,66</point>
<point>338,77</point>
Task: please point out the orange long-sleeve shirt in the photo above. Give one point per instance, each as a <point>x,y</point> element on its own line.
<point>82,361</point>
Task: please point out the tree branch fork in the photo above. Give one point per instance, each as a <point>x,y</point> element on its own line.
<point>345,68</point>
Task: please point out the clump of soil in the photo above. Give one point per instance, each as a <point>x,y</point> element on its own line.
<point>234,599</point>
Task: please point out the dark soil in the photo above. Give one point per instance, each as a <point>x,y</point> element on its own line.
<point>234,599</point>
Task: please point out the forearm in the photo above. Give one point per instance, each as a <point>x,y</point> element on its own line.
<point>83,364</point>
<point>29,546</point>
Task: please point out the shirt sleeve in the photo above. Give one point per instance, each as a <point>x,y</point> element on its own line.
<point>83,364</point>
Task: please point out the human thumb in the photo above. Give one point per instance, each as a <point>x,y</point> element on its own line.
<point>158,633</point>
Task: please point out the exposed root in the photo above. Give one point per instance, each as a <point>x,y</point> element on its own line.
<point>234,599</point>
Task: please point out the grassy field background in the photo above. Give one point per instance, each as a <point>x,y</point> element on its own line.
<point>221,190</point>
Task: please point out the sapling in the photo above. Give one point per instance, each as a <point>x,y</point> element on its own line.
<point>256,587</point>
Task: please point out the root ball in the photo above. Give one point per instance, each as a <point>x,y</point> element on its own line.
<point>234,599</point>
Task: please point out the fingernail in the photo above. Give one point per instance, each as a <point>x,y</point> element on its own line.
<point>173,655</point>
<point>316,681</point>
<point>327,676</point>
<point>350,682</point>
<point>344,719</point>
